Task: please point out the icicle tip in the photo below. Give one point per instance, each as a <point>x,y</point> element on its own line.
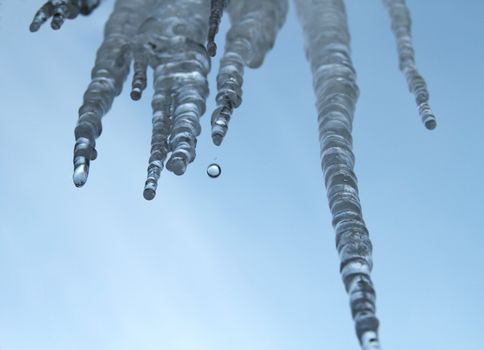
<point>149,193</point>
<point>369,341</point>
<point>431,124</point>
<point>177,165</point>
<point>136,94</point>
<point>217,139</point>
<point>81,173</point>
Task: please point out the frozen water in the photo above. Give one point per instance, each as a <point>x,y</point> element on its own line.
<point>216,11</point>
<point>254,26</point>
<point>214,170</point>
<point>327,43</point>
<point>171,40</point>
<point>59,10</point>
<point>176,38</point>
<point>401,26</point>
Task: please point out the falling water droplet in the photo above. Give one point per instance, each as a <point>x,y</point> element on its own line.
<point>214,170</point>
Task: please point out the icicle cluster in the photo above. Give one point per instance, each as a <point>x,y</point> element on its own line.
<point>169,36</point>
<point>327,44</point>
<point>401,27</point>
<point>252,34</point>
<point>107,78</point>
<point>172,42</point>
<point>59,10</point>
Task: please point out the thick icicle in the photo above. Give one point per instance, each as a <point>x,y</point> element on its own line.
<point>253,32</point>
<point>217,8</point>
<point>109,73</point>
<point>327,44</point>
<point>401,26</point>
<point>59,10</point>
<point>171,41</point>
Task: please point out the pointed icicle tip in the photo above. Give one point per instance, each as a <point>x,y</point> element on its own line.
<point>81,173</point>
<point>149,193</point>
<point>136,94</point>
<point>217,139</point>
<point>177,165</point>
<point>369,341</point>
<point>401,27</point>
<point>151,183</point>
<point>431,124</point>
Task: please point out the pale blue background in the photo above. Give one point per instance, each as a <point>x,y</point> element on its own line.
<point>246,261</point>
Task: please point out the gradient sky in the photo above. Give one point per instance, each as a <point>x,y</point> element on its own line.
<point>246,261</point>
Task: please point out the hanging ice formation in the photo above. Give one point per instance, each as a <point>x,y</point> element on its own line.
<point>170,37</point>
<point>401,26</point>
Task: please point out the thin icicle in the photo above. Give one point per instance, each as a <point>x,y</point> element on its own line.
<point>171,41</point>
<point>162,125</point>
<point>109,73</point>
<point>401,26</point>
<point>252,34</point>
<point>327,44</point>
<point>59,10</point>
<point>217,8</point>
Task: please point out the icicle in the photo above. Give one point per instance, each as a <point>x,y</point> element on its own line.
<point>327,48</point>
<point>59,10</point>
<point>108,75</point>
<point>253,32</point>
<point>162,125</point>
<point>171,41</point>
<point>401,26</point>
<point>216,11</point>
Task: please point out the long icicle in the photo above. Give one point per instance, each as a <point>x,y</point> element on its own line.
<point>59,10</point>
<point>254,27</point>
<point>109,73</point>
<point>327,44</point>
<point>402,29</point>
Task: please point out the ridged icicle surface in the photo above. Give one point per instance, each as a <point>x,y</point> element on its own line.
<point>327,44</point>
<point>60,10</point>
<point>217,8</point>
<point>175,38</point>
<point>168,36</point>
<point>402,29</point>
<point>172,42</point>
<point>253,31</point>
<point>108,75</point>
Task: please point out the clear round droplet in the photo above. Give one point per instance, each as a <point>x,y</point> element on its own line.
<point>214,170</point>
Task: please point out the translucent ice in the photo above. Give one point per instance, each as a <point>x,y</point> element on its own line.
<point>109,73</point>
<point>172,42</point>
<point>254,26</point>
<point>175,38</point>
<point>327,43</point>
<point>401,26</point>
<point>59,10</point>
<point>216,11</point>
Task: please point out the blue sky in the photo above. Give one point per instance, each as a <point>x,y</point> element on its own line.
<point>246,261</point>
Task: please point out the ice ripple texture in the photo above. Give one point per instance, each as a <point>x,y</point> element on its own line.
<point>334,79</point>
<point>176,38</point>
